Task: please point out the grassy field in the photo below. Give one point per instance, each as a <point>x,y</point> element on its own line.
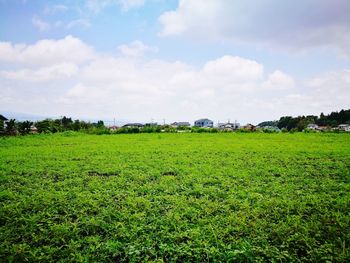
<point>175,197</point>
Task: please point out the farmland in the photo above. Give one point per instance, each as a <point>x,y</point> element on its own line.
<point>175,197</point>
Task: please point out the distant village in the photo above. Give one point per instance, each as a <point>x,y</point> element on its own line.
<point>229,126</point>
<point>285,124</point>
<point>201,123</point>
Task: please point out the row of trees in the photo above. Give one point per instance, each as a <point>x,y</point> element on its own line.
<point>13,127</point>
<point>286,123</point>
<point>301,122</point>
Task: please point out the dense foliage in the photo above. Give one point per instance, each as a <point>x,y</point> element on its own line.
<point>14,127</point>
<point>300,123</point>
<point>72,197</point>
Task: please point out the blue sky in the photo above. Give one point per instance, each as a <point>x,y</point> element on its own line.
<point>174,60</point>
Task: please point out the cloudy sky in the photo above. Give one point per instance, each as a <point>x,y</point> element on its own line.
<point>178,60</point>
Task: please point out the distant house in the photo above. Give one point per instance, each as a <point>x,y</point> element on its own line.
<point>113,128</point>
<point>344,127</point>
<point>204,123</point>
<point>180,124</point>
<point>249,127</point>
<point>133,125</point>
<point>312,126</point>
<point>33,129</point>
<point>228,126</point>
<point>3,121</point>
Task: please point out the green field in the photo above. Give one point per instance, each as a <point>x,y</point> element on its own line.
<point>175,197</point>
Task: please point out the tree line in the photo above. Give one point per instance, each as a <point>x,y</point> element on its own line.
<point>285,123</point>
<point>63,124</point>
<point>301,122</point>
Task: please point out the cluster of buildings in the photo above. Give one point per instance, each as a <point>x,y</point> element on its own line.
<point>232,126</point>
<point>341,127</point>
<point>201,123</point>
<point>207,123</point>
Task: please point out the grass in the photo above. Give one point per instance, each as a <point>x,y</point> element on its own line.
<point>175,197</point>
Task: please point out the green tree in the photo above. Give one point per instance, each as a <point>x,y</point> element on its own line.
<point>43,126</point>
<point>2,127</point>
<point>24,127</point>
<point>76,126</point>
<point>11,127</point>
<point>66,123</point>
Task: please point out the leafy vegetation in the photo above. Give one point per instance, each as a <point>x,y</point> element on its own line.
<point>242,197</point>
<point>300,123</point>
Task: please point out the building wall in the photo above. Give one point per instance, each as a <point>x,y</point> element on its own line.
<point>204,123</point>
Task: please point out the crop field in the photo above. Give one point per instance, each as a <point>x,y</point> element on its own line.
<point>74,197</point>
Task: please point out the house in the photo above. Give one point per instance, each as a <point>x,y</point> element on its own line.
<point>204,123</point>
<point>312,126</point>
<point>324,128</point>
<point>249,127</point>
<point>113,128</point>
<point>2,122</point>
<point>33,129</point>
<point>180,124</point>
<point>2,118</point>
<point>133,125</point>
<point>344,127</point>
<point>228,126</point>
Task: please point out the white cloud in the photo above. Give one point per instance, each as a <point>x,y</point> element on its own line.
<point>326,92</point>
<point>273,23</point>
<point>192,16</point>
<point>78,23</point>
<point>331,88</point>
<point>52,9</point>
<point>129,4</point>
<point>136,49</point>
<point>97,6</point>
<point>279,81</point>
<point>105,86</point>
<point>40,24</point>
<point>47,52</point>
<point>50,73</point>
<point>234,68</point>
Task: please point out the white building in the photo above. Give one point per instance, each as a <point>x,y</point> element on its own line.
<point>204,123</point>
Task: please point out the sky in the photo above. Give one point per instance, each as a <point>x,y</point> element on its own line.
<point>174,60</point>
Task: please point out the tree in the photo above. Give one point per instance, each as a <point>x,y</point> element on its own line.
<point>2,127</point>
<point>24,127</point>
<point>66,123</point>
<point>302,124</point>
<point>43,126</point>
<point>268,123</point>
<point>285,122</point>
<point>100,125</point>
<point>76,126</point>
<point>11,128</point>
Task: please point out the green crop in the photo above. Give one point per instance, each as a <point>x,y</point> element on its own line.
<point>175,198</point>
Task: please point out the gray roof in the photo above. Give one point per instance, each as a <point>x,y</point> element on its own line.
<point>133,125</point>
<point>3,118</point>
<point>181,123</point>
<point>202,120</point>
